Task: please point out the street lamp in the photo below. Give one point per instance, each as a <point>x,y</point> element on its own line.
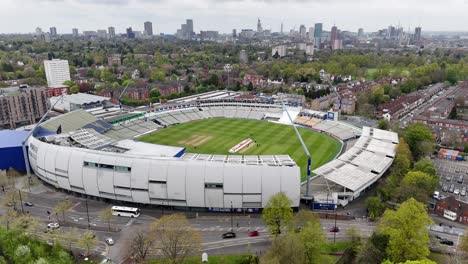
<point>228,69</point>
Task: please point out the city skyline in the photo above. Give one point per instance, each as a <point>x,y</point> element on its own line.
<point>167,16</point>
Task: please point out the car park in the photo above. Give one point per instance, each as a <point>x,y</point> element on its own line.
<point>253,233</point>
<point>110,241</point>
<point>457,170</point>
<point>460,179</point>
<point>229,235</point>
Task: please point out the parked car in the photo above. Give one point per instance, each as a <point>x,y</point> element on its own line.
<point>446,242</point>
<point>457,170</point>
<point>452,188</point>
<point>53,225</point>
<point>445,188</point>
<point>110,241</point>
<point>253,233</point>
<point>229,235</point>
<point>456,191</point>
<point>334,229</point>
<point>463,191</point>
<point>448,178</point>
<point>28,204</point>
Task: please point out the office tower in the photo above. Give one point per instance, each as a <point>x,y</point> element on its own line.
<point>148,28</point>
<point>259,26</point>
<point>189,28</point>
<point>318,35</point>
<point>281,28</point>
<point>57,72</point>
<point>111,31</point>
<point>302,31</point>
<point>22,106</point>
<point>38,31</point>
<point>75,32</point>
<point>234,33</point>
<point>360,33</point>
<point>243,58</point>
<point>417,34</point>
<point>334,36</point>
<point>310,35</point>
<point>102,33</point>
<point>53,31</point>
<point>130,33</point>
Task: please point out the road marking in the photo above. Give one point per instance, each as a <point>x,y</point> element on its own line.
<point>130,222</point>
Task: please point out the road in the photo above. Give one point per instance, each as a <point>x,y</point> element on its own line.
<point>210,227</point>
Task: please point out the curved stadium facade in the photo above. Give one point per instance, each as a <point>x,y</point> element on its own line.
<point>92,157</point>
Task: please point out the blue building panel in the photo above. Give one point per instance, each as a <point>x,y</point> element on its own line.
<point>11,152</point>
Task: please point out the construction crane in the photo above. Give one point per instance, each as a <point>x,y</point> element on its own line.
<point>309,158</point>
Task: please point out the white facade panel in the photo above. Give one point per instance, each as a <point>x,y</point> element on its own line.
<point>290,177</point>
<point>214,172</point>
<point>63,182</point>
<point>236,200</point>
<point>140,197</point>
<point>214,198</point>
<point>75,167</point>
<point>252,198</point>
<point>90,182</point>
<point>123,192</point>
<point>61,162</point>
<point>157,190</point>
<point>105,177</point>
<point>122,178</point>
<point>41,155</point>
<point>252,180</point>
<point>158,170</point>
<point>176,180</point>
<point>233,179</point>
<point>139,173</point>
<point>49,162</point>
<point>195,175</point>
<point>271,183</point>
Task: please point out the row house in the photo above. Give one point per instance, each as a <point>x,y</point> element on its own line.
<point>256,80</point>
<point>324,102</point>
<point>452,209</point>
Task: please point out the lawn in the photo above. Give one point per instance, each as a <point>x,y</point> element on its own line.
<point>218,135</point>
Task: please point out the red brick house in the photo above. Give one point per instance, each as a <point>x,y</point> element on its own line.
<point>450,207</point>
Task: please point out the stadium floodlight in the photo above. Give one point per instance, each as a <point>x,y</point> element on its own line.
<point>228,69</point>
<point>326,77</point>
<point>309,158</point>
<point>23,144</point>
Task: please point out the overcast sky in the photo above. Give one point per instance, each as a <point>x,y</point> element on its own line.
<point>224,15</point>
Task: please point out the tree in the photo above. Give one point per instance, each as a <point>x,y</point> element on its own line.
<point>106,215</point>
<point>140,245</point>
<point>25,223</point>
<point>401,164</point>
<point>311,235</point>
<point>14,197</point>
<point>383,124</point>
<point>418,185</point>
<point>277,213</point>
<point>62,207</point>
<point>419,138</point>
<point>356,240</point>
<point>463,246</point>
<point>87,241</point>
<point>74,89</point>
<point>407,231</point>
<point>176,238</point>
<point>69,237</point>
<point>425,165</point>
<point>285,249</point>
<point>375,206</point>
<point>373,250</point>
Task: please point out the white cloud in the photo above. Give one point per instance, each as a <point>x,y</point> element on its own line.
<point>224,15</point>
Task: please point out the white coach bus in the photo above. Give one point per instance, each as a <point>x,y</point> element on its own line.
<point>125,211</point>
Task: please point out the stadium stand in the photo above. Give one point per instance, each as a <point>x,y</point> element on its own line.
<point>315,120</point>
<point>358,168</point>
